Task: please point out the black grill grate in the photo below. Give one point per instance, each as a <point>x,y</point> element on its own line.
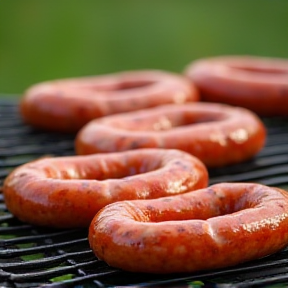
<point>32,256</point>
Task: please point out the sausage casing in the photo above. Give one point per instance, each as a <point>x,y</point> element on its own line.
<point>219,226</point>
<point>68,191</point>
<point>67,104</point>
<point>259,84</point>
<point>217,134</point>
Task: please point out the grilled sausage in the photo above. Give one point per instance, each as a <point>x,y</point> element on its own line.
<point>217,134</point>
<point>220,226</point>
<point>66,105</point>
<point>68,191</point>
<point>257,83</point>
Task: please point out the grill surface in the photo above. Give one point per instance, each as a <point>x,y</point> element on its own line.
<point>33,257</point>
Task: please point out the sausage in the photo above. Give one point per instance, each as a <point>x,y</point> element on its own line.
<point>66,105</point>
<point>215,227</point>
<point>217,134</point>
<point>256,83</point>
<point>68,191</point>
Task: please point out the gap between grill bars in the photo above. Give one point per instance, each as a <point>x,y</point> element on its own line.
<point>37,257</point>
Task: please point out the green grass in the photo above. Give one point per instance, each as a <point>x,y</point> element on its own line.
<point>42,40</point>
<point>62,278</point>
<point>33,257</point>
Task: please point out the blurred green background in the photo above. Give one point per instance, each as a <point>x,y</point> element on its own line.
<point>49,39</point>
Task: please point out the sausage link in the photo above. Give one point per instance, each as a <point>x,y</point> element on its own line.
<point>68,191</point>
<point>217,134</point>
<point>219,226</point>
<point>66,105</point>
<point>259,84</point>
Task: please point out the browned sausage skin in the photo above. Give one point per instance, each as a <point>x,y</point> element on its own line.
<point>223,225</point>
<point>66,105</point>
<point>68,191</point>
<point>257,83</point>
<point>217,134</point>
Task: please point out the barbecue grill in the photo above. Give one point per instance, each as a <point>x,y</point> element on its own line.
<point>40,257</point>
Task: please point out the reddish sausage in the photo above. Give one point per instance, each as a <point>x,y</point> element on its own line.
<point>257,83</point>
<point>66,105</point>
<point>215,133</point>
<point>68,191</point>
<point>220,226</point>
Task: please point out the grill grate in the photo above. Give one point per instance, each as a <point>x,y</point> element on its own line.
<point>32,256</point>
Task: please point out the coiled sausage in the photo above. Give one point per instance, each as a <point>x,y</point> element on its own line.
<point>216,134</point>
<point>220,226</point>
<point>68,191</point>
<point>256,83</point>
<point>66,105</point>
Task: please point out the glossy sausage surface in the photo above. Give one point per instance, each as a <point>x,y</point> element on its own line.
<point>219,226</point>
<point>217,134</point>
<point>66,105</point>
<point>68,191</point>
<point>256,83</point>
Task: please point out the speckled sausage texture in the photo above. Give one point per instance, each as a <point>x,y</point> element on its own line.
<point>66,105</point>
<point>68,191</point>
<point>257,83</point>
<point>220,226</point>
<point>217,134</point>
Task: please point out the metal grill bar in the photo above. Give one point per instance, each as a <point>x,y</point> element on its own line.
<point>32,256</point>
<point>28,239</point>
<point>52,261</point>
<point>8,253</point>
